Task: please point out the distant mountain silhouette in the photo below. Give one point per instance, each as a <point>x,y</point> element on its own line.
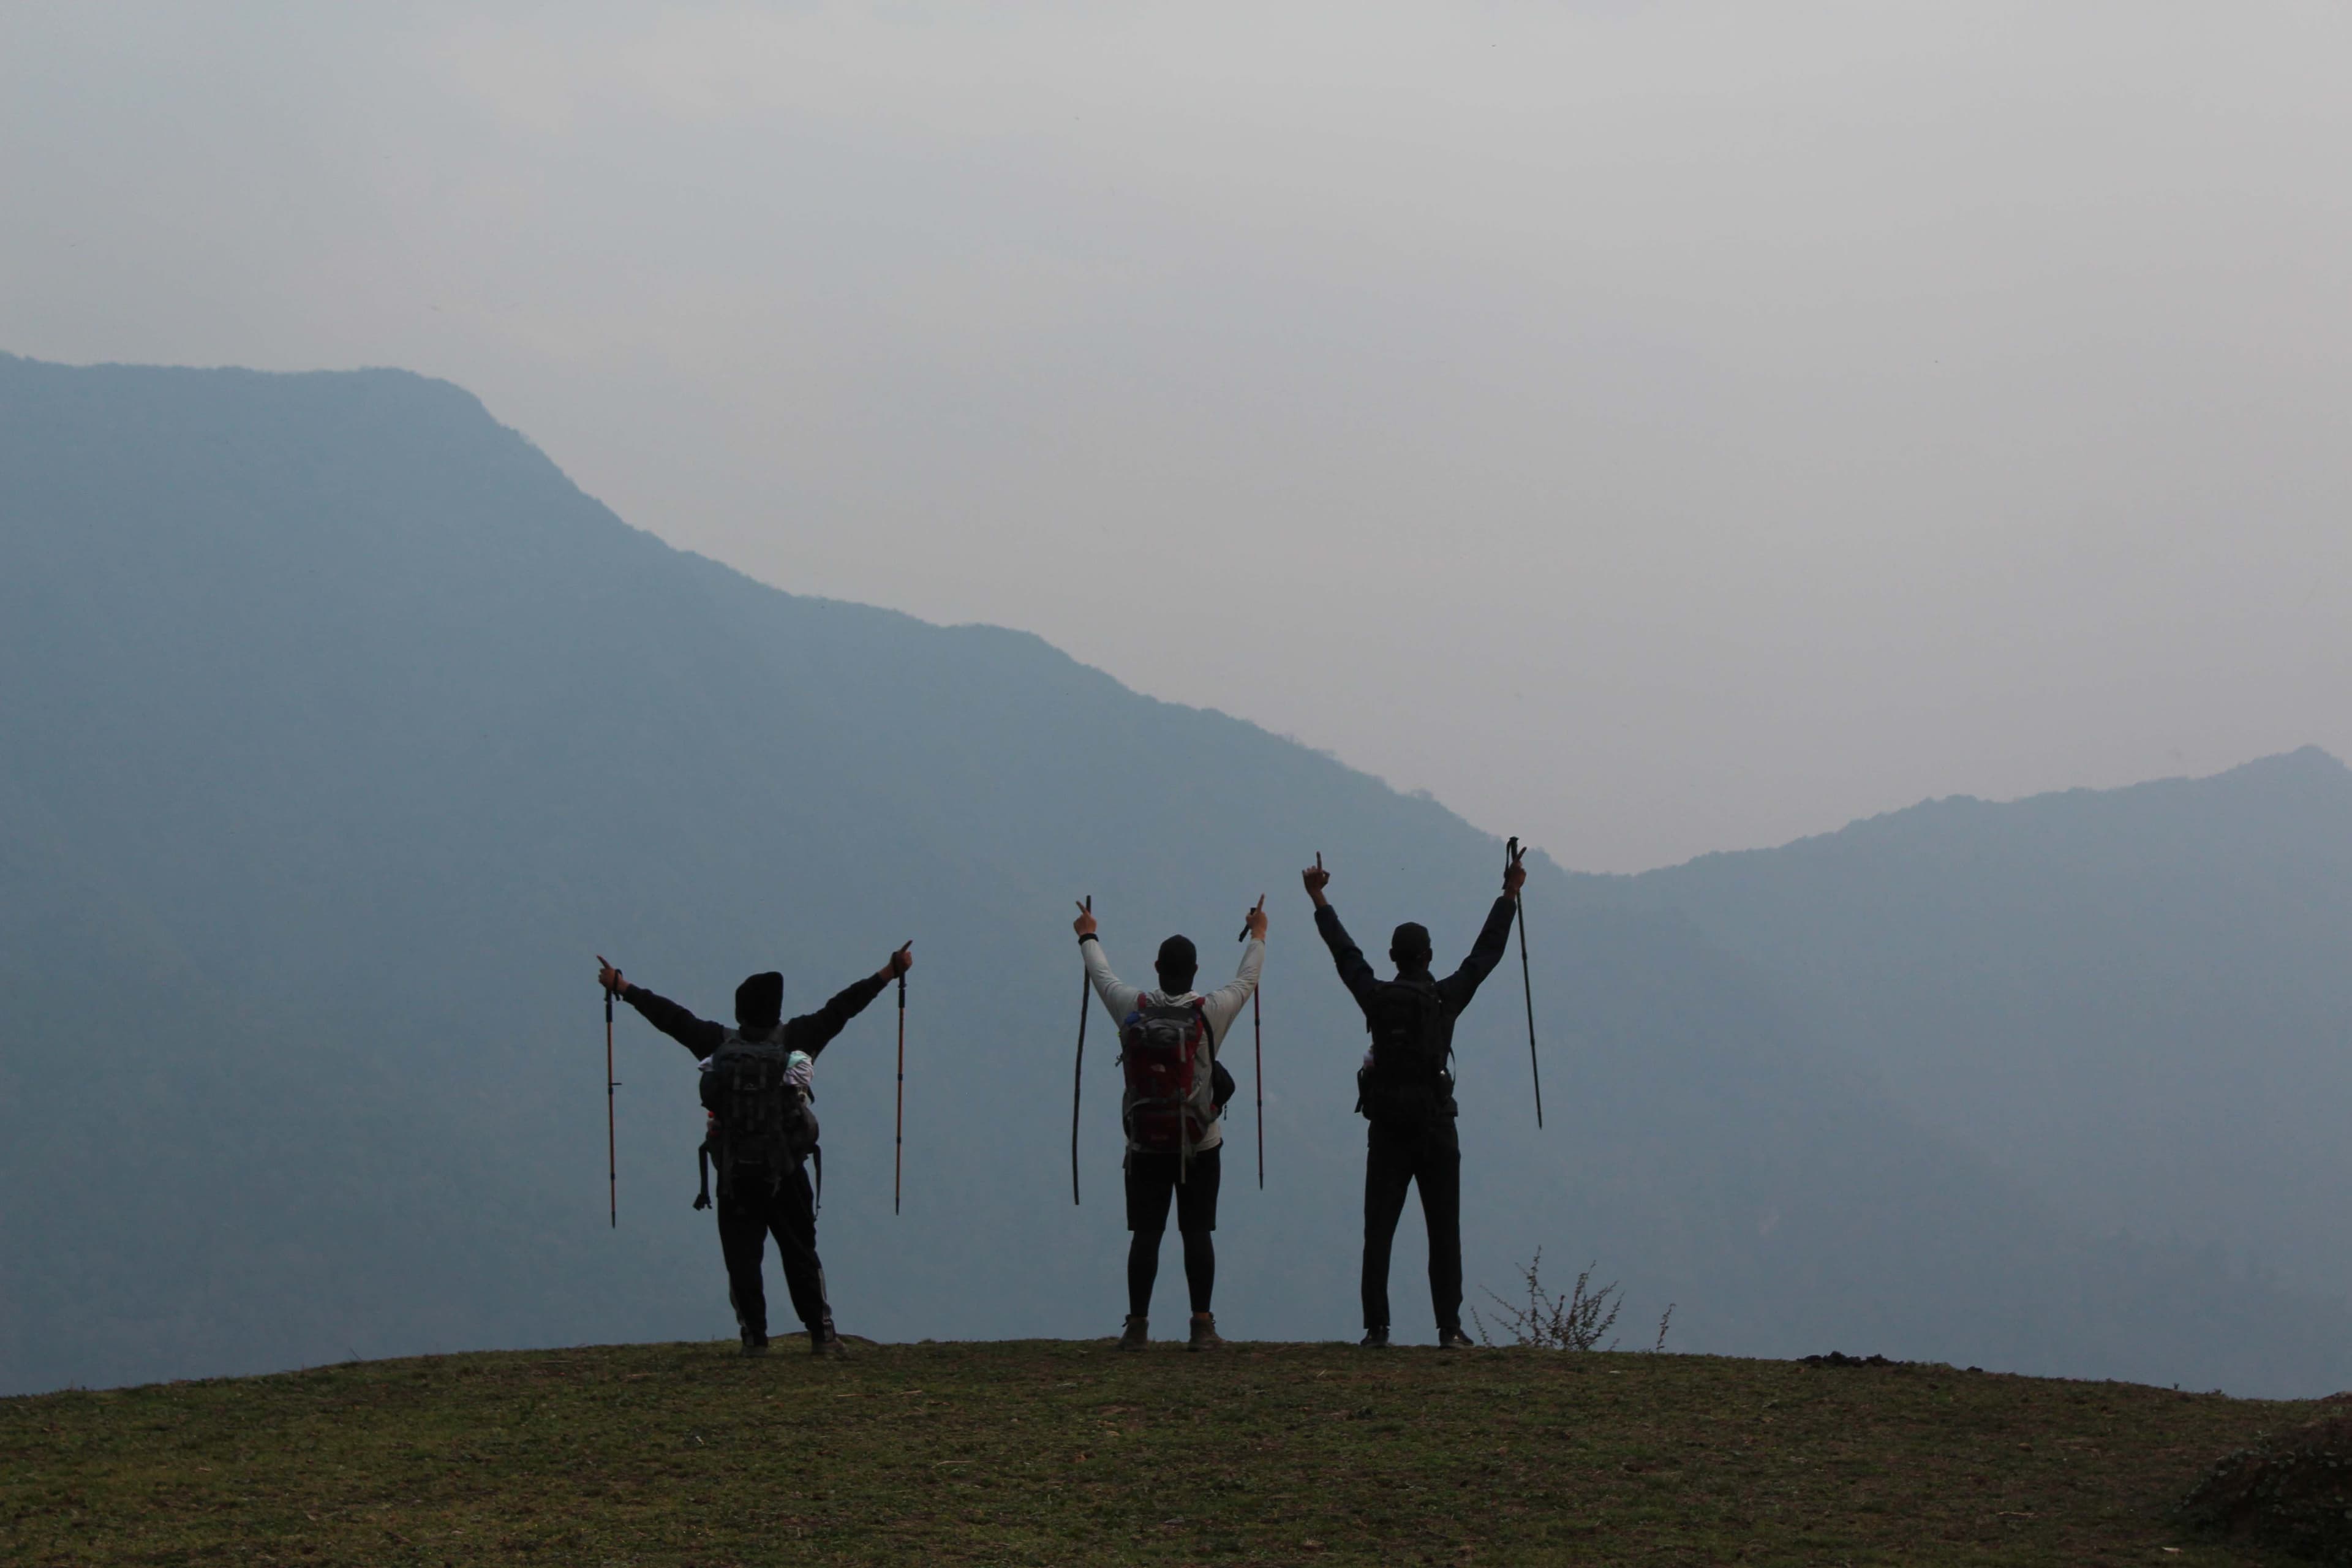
<point>339,732</point>
<point>2138,1002</point>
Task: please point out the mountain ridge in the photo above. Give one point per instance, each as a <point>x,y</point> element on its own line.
<point>380,726</point>
<point>2307,763</point>
<point>2134,1001</point>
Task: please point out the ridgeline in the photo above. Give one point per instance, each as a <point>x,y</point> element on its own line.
<point>1048,1451</point>
<point>339,732</point>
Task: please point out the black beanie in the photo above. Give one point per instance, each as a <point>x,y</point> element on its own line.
<point>1177,959</point>
<point>760,1001</point>
<point>1410,943</point>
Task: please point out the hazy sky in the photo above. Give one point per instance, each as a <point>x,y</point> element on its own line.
<point>1651,427</point>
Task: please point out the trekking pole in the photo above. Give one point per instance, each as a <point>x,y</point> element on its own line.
<point>1526,984</point>
<point>612,1147</point>
<point>898,1141</point>
<point>1257,1051</point>
<point>1078,1079</point>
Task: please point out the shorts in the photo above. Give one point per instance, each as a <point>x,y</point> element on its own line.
<point>1151,1182</point>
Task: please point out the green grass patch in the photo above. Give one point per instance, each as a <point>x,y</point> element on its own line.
<point>1058,1452</point>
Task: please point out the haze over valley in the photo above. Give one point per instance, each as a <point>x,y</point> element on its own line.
<point>338,730</point>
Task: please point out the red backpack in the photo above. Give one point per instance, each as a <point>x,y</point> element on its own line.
<point>1169,1102</point>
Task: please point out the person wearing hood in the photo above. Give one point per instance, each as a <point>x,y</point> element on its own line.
<point>1406,1089</point>
<point>1172,1109</point>
<point>763,1182</point>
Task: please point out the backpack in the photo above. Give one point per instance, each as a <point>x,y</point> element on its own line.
<point>1406,1078</point>
<point>761,1124</point>
<point>1170,1097</point>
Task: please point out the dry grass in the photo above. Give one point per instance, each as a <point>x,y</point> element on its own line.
<point>1068,1453</point>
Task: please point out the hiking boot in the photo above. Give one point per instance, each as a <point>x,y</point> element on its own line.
<point>1137,1335</point>
<point>824,1341</point>
<point>1454,1339</point>
<point>755,1344</point>
<point>1374,1339</point>
<point>1205,1334</point>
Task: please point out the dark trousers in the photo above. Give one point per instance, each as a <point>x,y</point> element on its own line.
<point>1152,1182</point>
<point>1398,1154</point>
<point>751,1207</point>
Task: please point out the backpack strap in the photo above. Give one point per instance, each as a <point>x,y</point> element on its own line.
<point>1205,1036</point>
<point>702,1159</point>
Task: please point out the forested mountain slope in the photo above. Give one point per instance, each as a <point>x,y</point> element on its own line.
<point>2138,1001</point>
<point>339,733</point>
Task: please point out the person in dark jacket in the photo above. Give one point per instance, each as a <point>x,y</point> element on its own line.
<point>1405,1088</point>
<point>780,1202</point>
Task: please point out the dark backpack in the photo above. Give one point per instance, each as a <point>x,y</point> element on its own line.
<point>1169,1099</point>
<point>762,1126</point>
<point>1407,1079</point>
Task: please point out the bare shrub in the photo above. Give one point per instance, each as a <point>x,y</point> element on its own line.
<point>1571,1323</point>
<point>1576,1321</point>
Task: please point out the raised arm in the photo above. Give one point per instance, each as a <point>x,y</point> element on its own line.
<point>1119,998</point>
<point>812,1032</point>
<point>1354,972</point>
<point>1223,1004</point>
<point>697,1035</point>
<point>1494,941</point>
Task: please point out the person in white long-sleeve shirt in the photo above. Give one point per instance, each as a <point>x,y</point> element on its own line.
<point>1187,1174</point>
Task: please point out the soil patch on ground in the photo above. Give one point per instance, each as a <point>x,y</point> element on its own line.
<point>2292,1491</point>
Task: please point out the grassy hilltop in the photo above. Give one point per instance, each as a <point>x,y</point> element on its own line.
<point>1067,1452</point>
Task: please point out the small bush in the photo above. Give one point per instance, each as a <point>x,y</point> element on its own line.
<point>1576,1321</point>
